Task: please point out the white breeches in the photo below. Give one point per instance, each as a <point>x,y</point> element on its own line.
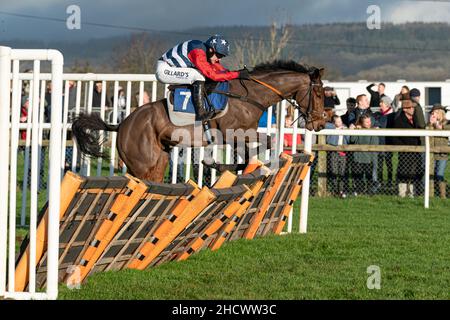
<point>173,75</point>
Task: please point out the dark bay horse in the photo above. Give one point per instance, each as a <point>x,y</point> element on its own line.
<point>145,137</point>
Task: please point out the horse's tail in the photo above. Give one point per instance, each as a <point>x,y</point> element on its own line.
<point>88,141</point>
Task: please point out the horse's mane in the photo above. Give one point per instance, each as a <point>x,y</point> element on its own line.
<point>278,65</point>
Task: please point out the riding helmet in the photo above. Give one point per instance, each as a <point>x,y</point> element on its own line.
<point>218,44</point>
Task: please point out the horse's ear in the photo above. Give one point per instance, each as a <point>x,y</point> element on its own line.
<point>316,73</point>
<point>321,72</point>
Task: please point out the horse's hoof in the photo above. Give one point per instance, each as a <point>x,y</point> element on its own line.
<point>209,162</point>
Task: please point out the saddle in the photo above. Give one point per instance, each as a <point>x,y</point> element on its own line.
<point>180,106</point>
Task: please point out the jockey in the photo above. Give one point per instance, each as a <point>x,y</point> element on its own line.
<point>191,62</point>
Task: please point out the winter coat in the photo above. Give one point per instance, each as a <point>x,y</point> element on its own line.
<point>364,157</point>
<point>439,142</point>
<point>408,162</point>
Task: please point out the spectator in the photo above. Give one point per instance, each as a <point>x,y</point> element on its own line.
<point>121,99</point>
<point>26,85</point>
<point>375,96</point>
<point>72,96</point>
<point>337,160</point>
<point>439,122</point>
<point>408,162</point>
<point>121,105</point>
<point>418,114</point>
<point>331,99</point>
<point>263,120</point>
<point>396,103</point>
<point>288,137</point>
<point>48,109</point>
<point>145,97</point>
<point>420,118</point>
<point>361,109</point>
<point>25,103</point>
<point>384,119</point>
<point>414,94</point>
<point>351,105</point>
<point>363,161</point>
<point>97,96</point>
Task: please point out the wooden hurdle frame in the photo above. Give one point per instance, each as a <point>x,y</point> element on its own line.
<point>143,221</point>
<point>122,222</point>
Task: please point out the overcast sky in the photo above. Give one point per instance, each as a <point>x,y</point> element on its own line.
<point>180,15</point>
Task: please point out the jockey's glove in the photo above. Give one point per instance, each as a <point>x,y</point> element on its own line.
<point>244,74</point>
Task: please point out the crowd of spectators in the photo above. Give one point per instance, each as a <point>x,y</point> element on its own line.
<point>373,172</point>
<point>367,172</point>
<point>71,95</point>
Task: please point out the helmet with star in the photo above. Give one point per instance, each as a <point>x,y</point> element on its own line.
<point>219,44</point>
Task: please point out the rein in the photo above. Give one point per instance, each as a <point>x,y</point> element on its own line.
<point>292,101</point>
<point>242,98</point>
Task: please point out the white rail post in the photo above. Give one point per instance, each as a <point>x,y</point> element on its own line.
<point>213,171</point>
<point>294,151</point>
<point>15,119</point>
<point>90,95</point>
<point>5,70</point>
<point>54,174</point>
<point>269,130</point>
<point>34,114</point>
<point>187,172</point>
<point>77,112</point>
<point>101,132</point>
<point>114,134</point>
<point>281,126</point>
<point>175,156</point>
<point>427,172</point>
<point>305,188</point>
<point>201,157</point>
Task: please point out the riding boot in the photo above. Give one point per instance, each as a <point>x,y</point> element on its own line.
<point>198,89</point>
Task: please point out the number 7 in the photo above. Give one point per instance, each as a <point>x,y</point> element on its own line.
<point>187,96</point>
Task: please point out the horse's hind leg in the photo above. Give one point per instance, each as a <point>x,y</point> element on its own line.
<point>156,173</point>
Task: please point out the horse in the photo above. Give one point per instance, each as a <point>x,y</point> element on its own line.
<point>146,136</point>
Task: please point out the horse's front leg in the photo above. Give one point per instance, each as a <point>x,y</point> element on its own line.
<point>255,147</point>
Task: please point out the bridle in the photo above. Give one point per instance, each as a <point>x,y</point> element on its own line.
<point>308,115</point>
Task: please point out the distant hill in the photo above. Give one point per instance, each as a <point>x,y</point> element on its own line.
<point>348,51</point>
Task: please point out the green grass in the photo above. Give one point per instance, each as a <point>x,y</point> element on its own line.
<point>345,237</point>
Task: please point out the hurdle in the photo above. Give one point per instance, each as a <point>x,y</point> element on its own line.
<point>119,211</point>
<point>278,211</point>
<point>113,223</point>
<point>69,188</point>
<point>170,228</point>
<point>228,203</point>
<point>94,204</point>
<point>157,203</point>
<point>255,180</point>
<point>250,220</point>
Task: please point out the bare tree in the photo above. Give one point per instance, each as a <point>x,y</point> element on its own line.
<point>252,50</point>
<point>138,56</point>
<point>81,66</point>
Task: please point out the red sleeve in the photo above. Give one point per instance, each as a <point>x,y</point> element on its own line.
<point>219,67</point>
<point>198,58</point>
